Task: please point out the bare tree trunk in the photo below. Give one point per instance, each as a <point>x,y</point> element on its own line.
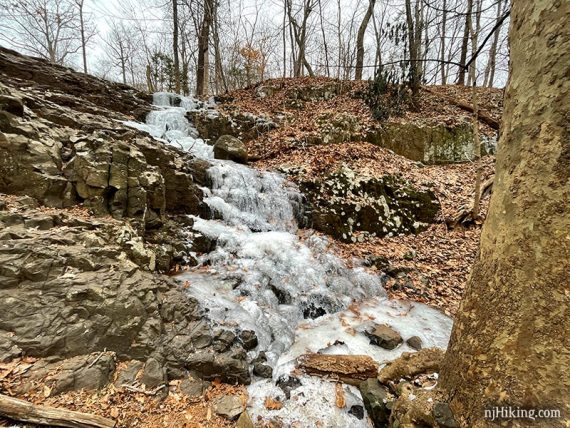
<point>175,46</point>
<point>465,44</point>
<point>203,47</point>
<point>82,29</point>
<point>509,345</point>
<point>490,68</point>
<point>325,44</point>
<point>220,75</point>
<point>442,43</point>
<point>360,40</point>
<point>413,49</point>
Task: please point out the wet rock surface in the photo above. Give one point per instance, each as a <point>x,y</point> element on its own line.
<point>351,207</point>
<point>230,148</point>
<point>376,400</point>
<point>384,336</point>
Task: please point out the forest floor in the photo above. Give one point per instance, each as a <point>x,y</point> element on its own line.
<point>436,262</point>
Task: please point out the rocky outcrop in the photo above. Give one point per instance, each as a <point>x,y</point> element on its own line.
<point>70,286</point>
<point>61,143</point>
<point>230,148</point>
<point>94,210</point>
<point>66,87</point>
<point>351,207</point>
<point>243,125</point>
<point>434,144</point>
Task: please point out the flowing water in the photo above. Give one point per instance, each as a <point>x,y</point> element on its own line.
<point>268,276</point>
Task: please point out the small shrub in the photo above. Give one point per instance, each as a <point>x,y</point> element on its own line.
<point>388,94</point>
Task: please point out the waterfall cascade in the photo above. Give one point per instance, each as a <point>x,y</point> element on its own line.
<point>264,275</point>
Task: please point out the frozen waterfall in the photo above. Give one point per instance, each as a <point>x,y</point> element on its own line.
<point>264,275</point>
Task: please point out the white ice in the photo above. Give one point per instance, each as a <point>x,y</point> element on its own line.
<point>263,276</point>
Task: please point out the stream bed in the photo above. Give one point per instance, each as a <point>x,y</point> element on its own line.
<point>282,282</point>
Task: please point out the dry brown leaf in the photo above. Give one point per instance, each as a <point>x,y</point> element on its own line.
<point>340,397</point>
<point>272,404</point>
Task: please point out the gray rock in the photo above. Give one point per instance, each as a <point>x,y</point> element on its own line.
<point>262,370</point>
<point>212,365</point>
<point>154,373</point>
<point>228,406</point>
<point>194,387</point>
<point>444,416</point>
<point>248,339</point>
<point>415,342</point>
<point>357,412</point>
<point>89,372</point>
<point>351,207</point>
<point>375,398</point>
<point>223,339</point>
<point>128,375</point>
<point>384,336</point>
<point>230,148</point>
<point>41,222</point>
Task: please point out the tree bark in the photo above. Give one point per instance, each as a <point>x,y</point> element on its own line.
<point>442,43</point>
<point>360,40</point>
<point>24,411</point>
<point>509,345</point>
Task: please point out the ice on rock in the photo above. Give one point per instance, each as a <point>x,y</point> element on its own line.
<point>168,123</point>
<point>290,289</point>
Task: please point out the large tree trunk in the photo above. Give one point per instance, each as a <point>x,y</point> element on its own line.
<point>509,344</point>
<point>360,40</point>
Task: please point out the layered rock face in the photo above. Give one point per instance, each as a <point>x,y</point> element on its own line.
<point>89,211</point>
<point>62,143</point>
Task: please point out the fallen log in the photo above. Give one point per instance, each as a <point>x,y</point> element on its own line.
<point>350,369</point>
<point>481,115</point>
<point>24,411</point>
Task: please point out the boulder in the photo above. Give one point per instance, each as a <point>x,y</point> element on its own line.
<point>248,339</point>
<point>194,387</point>
<point>244,421</point>
<point>262,370</point>
<point>384,336</point>
<point>153,374</point>
<point>444,416</point>
<point>352,208</point>
<point>228,406</point>
<point>415,342</point>
<point>230,148</point>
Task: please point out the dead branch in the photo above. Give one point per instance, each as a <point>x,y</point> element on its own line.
<point>24,411</point>
<point>482,115</point>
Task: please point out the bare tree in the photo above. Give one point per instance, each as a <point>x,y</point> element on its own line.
<point>465,44</point>
<point>79,4</point>
<point>119,47</point>
<point>202,73</point>
<point>360,40</point>
<point>491,62</point>
<point>46,28</point>
<point>175,46</point>
<point>300,33</point>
